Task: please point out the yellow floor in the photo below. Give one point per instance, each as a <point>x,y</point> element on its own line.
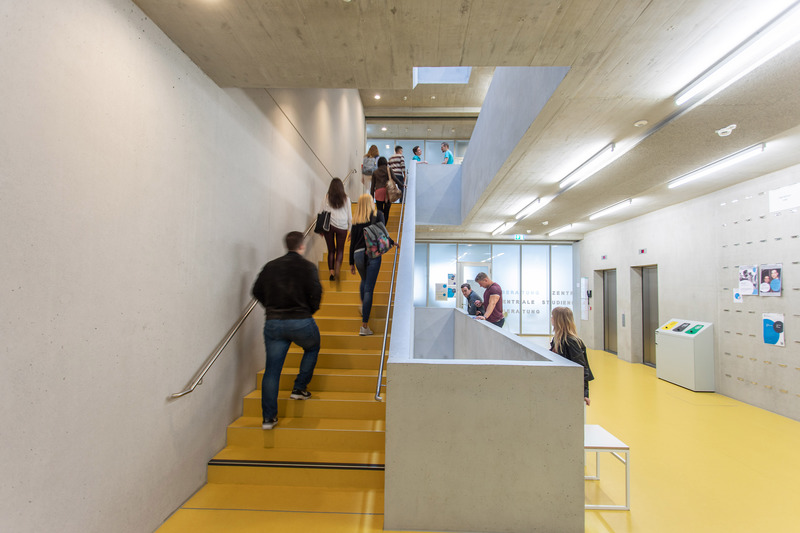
<point>700,462</point>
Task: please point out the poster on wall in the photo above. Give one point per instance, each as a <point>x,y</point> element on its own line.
<point>748,280</point>
<point>771,280</point>
<point>451,285</point>
<point>737,296</point>
<point>773,329</point>
<point>441,292</point>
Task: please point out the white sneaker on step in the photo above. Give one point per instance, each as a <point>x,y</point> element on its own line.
<point>365,331</point>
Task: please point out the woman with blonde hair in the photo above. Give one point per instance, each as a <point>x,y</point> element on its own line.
<point>567,344</point>
<point>368,267</point>
<point>368,166</point>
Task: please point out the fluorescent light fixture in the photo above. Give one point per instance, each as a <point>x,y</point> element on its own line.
<point>612,209</point>
<point>725,162</point>
<point>532,207</point>
<point>592,165</point>
<point>772,39</point>
<point>562,229</point>
<point>502,227</point>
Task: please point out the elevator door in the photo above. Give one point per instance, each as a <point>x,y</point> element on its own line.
<point>649,313</point>
<point>610,311</point>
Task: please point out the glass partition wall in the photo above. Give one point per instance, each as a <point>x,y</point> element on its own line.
<point>534,277</point>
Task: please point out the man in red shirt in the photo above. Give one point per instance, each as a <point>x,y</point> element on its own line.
<point>492,300</point>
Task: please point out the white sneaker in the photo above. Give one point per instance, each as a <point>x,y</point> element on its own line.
<point>365,331</point>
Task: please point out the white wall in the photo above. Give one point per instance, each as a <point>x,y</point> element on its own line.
<point>139,201</point>
<point>438,194</point>
<point>697,246</point>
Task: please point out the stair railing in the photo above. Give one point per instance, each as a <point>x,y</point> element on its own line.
<point>198,380</point>
<point>378,387</point>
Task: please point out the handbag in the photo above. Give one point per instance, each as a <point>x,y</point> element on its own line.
<point>376,240</point>
<point>393,191</point>
<point>323,222</point>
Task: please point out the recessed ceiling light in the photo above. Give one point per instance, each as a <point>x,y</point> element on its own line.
<point>383,128</point>
<point>546,222</point>
<point>433,98</point>
<point>429,129</point>
<point>727,130</point>
<point>452,130</point>
<point>640,123</point>
<point>405,98</point>
<point>377,97</point>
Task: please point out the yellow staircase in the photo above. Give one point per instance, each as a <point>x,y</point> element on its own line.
<point>326,455</point>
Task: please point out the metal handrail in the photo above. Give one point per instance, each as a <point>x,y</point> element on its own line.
<point>231,332</point>
<point>378,396</point>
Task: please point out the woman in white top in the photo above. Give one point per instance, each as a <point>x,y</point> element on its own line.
<point>338,203</point>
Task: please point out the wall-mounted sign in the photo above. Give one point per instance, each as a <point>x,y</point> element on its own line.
<point>518,237</point>
<point>784,198</point>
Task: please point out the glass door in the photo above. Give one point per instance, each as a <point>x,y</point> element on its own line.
<point>466,274</point>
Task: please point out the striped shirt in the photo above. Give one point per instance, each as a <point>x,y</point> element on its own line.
<point>398,165</point>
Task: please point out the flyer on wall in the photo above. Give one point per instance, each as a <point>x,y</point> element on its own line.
<point>748,280</point>
<point>451,285</point>
<point>773,329</point>
<point>770,279</point>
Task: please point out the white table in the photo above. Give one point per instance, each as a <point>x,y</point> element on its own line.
<point>596,439</point>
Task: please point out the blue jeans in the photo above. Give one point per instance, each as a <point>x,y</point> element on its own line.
<point>368,269</point>
<point>278,335</point>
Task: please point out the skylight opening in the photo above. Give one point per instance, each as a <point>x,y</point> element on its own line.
<point>441,75</point>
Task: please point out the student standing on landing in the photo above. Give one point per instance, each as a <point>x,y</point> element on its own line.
<point>448,155</point>
<point>492,300</point>
<point>290,291</point>
<point>567,344</point>
<point>338,203</point>
<point>368,267</point>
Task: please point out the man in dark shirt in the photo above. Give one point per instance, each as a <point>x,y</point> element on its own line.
<point>492,300</point>
<point>290,291</point>
<point>474,304</point>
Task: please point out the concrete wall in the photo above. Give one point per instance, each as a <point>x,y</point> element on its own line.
<point>697,246</point>
<point>502,450</point>
<point>514,100</point>
<point>139,202</point>
<point>438,194</point>
<point>434,333</point>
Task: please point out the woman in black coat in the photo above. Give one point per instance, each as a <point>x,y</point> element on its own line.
<point>567,344</point>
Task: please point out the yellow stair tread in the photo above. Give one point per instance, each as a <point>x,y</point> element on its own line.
<point>286,498</point>
<point>325,424</point>
<point>330,396</point>
<point>333,372</point>
<point>338,351</point>
<point>300,455</point>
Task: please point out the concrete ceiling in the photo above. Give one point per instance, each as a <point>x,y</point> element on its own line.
<point>627,59</point>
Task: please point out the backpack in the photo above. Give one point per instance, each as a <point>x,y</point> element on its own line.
<point>370,164</point>
<point>376,239</point>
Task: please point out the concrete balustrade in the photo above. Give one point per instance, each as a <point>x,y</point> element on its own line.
<point>484,432</point>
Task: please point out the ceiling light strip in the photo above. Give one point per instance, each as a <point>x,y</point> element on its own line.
<point>502,227</point>
<point>772,39</point>
<point>562,229</point>
<point>611,209</point>
<point>595,163</point>
<point>720,164</point>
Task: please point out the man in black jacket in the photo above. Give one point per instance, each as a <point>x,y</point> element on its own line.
<point>290,291</point>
